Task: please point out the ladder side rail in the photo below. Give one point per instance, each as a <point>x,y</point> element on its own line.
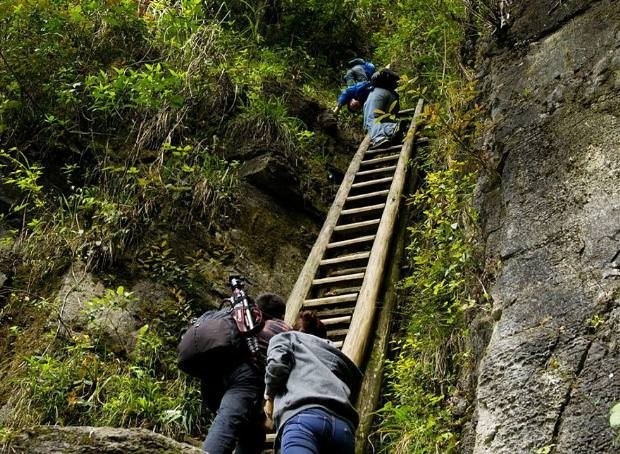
<point>355,343</point>
<point>304,281</point>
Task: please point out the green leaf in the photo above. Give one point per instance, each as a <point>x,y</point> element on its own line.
<point>614,416</point>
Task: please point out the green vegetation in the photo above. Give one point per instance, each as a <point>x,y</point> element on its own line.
<point>121,136</point>
<point>441,289</point>
<point>120,139</point>
<point>81,385</point>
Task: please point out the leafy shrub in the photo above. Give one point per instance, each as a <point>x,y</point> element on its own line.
<point>99,224</point>
<point>79,386</point>
<point>266,123</point>
<point>429,356</point>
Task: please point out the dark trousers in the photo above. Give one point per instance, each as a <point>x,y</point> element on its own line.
<point>315,431</point>
<point>238,420</point>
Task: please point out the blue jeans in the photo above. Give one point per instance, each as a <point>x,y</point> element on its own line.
<point>315,431</point>
<point>239,419</point>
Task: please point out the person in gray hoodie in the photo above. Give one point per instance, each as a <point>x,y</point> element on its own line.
<point>310,390</point>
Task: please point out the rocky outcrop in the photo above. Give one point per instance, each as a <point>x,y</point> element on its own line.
<point>551,216</point>
<point>114,327</point>
<point>94,440</point>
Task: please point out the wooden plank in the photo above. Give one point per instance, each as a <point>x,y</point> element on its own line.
<point>337,332</point>
<point>392,157</point>
<point>331,312</point>
<point>347,298</point>
<point>383,150</point>
<point>378,206</point>
<point>336,279</point>
<point>355,225</point>
<point>336,320</point>
<point>304,281</point>
<point>368,195</point>
<point>345,258</point>
<point>364,184</point>
<point>340,272</point>
<point>361,239</point>
<point>342,291</point>
<point>373,171</point>
<point>356,341</point>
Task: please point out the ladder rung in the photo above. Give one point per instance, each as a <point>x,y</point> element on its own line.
<point>356,225</point>
<point>333,280</point>
<point>378,160</point>
<point>337,344</point>
<point>361,239</point>
<point>379,170</point>
<point>382,150</point>
<point>368,195</point>
<point>336,320</point>
<point>345,258</point>
<point>336,311</point>
<point>270,438</point>
<point>376,207</point>
<point>347,298</point>
<point>342,291</point>
<point>359,269</point>
<point>337,332</point>
<point>371,182</point>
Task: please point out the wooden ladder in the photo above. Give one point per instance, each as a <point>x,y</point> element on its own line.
<point>342,276</point>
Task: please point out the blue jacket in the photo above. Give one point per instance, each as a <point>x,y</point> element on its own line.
<point>359,91</point>
<point>305,371</point>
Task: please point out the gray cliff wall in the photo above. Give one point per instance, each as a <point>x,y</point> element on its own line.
<point>551,217</point>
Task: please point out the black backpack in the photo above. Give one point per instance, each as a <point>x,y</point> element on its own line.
<point>210,343</point>
<point>385,78</point>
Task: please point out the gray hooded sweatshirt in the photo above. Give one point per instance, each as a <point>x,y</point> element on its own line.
<point>304,371</point>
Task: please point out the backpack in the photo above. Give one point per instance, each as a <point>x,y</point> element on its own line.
<point>386,78</point>
<point>211,342</point>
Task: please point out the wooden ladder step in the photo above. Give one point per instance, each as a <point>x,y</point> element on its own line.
<point>365,209</point>
<point>345,258</point>
<point>361,239</point>
<point>335,312</point>
<point>363,184</point>
<point>336,320</point>
<point>368,195</point>
<point>337,332</point>
<point>336,279</point>
<point>356,225</point>
<point>359,269</point>
<point>379,170</point>
<point>342,291</point>
<point>382,150</point>
<point>378,160</point>
<point>347,298</point>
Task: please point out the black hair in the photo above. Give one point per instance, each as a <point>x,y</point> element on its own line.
<point>272,305</point>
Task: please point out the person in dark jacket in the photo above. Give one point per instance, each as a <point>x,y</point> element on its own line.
<point>359,70</point>
<point>310,390</point>
<point>234,390</point>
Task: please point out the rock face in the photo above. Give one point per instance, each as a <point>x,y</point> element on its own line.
<point>91,440</point>
<point>114,326</point>
<point>551,216</point>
